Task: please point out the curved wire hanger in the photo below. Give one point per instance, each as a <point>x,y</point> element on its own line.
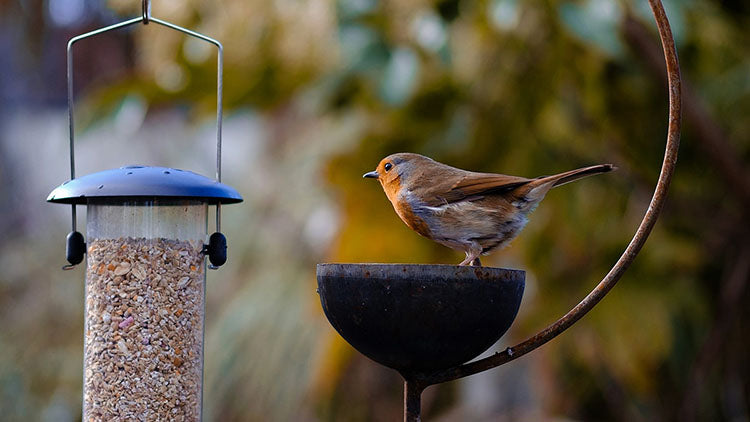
<point>146,18</point>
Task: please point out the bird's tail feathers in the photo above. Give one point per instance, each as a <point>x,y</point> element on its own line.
<point>573,175</point>
<point>538,188</point>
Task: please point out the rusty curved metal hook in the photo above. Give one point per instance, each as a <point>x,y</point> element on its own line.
<point>417,382</point>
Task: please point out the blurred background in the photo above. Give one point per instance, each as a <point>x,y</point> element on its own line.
<point>316,92</point>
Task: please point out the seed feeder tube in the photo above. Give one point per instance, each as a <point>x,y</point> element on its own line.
<point>146,250</point>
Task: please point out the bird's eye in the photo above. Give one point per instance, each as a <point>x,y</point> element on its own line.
<point>388,166</point>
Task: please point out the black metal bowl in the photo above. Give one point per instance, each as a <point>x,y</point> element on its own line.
<point>419,318</point>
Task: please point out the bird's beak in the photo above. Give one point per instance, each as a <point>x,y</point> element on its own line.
<point>371,175</point>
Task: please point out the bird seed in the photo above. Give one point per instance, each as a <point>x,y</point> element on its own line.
<point>143,341</point>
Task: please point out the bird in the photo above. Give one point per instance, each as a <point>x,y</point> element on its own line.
<point>472,212</point>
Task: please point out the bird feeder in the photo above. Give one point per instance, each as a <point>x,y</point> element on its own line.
<point>146,246</point>
<point>428,321</point>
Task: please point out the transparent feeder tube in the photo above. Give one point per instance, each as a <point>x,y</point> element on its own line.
<point>144,311</point>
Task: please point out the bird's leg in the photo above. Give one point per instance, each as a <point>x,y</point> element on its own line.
<point>472,255</point>
<point>476,262</point>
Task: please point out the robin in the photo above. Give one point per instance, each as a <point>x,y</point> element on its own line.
<point>471,212</point>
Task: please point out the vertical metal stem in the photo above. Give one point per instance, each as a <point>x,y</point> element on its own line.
<point>412,401</point>
<point>71,131</point>
<point>218,216</point>
<point>71,123</point>
<point>219,118</point>
<point>219,84</point>
<point>219,106</point>
<point>219,97</point>
<point>74,222</point>
<point>146,11</point>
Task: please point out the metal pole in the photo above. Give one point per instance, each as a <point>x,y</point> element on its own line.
<point>412,401</point>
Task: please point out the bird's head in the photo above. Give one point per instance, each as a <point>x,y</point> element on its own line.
<point>398,170</point>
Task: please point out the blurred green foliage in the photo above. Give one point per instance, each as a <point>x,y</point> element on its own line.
<point>319,91</point>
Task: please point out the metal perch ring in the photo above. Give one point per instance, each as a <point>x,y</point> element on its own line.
<point>418,382</point>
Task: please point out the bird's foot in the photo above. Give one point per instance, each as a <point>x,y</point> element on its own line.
<point>472,260</point>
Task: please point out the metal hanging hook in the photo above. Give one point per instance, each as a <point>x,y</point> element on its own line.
<point>146,11</point>
<point>146,18</point>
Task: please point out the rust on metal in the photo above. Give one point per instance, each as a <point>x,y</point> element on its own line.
<point>635,245</point>
<point>419,318</point>
<point>381,335</point>
<point>412,400</point>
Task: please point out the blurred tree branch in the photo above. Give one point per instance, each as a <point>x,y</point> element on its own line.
<point>721,153</point>
<point>730,300</point>
<point>712,138</point>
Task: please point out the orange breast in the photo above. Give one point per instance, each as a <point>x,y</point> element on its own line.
<point>404,210</point>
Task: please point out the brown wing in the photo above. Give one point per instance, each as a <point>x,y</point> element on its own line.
<point>474,185</point>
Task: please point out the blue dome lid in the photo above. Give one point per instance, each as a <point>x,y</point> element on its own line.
<point>143,182</point>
